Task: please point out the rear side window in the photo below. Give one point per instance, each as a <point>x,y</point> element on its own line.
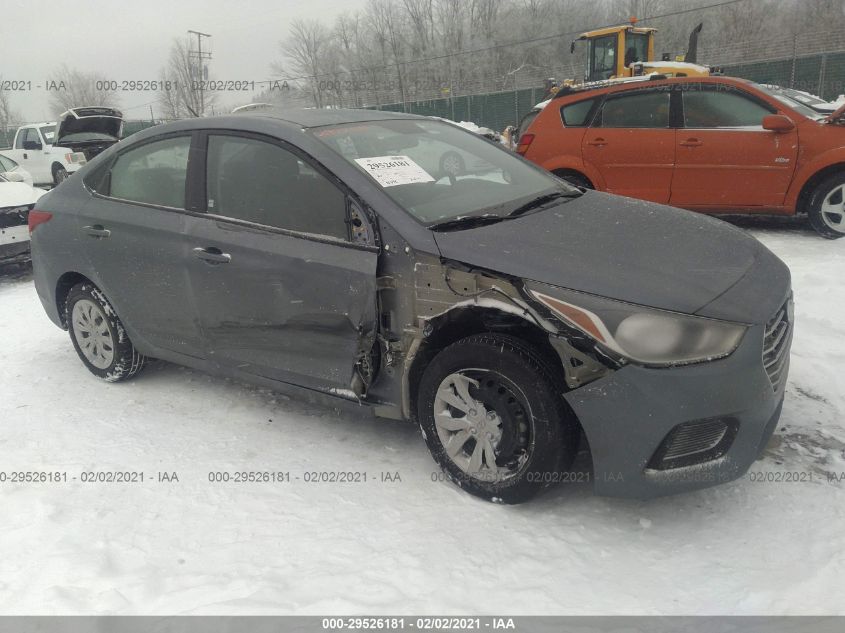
<point>637,110</point>
<point>577,114</point>
<point>21,137</point>
<point>527,120</point>
<point>261,182</point>
<point>721,108</point>
<point>153,173</point>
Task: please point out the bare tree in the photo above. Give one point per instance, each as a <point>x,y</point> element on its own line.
<point>9,118</point>
<point>306,47</point>
<point>77,88</point>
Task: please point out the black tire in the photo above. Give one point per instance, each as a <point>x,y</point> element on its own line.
<point>546,446</point>
<point>822,222</point>
<point>59,175</point>
<point>126,361</point>
<point>452,164</point>
<point>575,179</point>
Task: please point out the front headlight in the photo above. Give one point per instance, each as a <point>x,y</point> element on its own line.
<point>644,335</point>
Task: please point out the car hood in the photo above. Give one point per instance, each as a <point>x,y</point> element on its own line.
<point>624,249</point>
<point>100,120</point>
<point>18,194</point>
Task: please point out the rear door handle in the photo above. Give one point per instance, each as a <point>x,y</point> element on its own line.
<point>692,142</point>
<point>599,142</point>
<point>96,230</point>
<point>212,255</point>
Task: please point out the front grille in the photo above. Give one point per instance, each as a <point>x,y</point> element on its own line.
<point>776,345</point>
<point>694,443</point>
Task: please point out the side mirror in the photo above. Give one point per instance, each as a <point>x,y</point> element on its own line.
<point>31,145</point>
<point>778,123</point>
<point>13,176</point>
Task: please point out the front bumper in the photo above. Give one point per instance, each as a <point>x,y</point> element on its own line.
<point>628,416</point>
<point>14,240</point>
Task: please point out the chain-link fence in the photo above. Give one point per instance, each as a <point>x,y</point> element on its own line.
<point>813,63</point>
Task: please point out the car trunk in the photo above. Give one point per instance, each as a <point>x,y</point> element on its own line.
<point>89,130</point>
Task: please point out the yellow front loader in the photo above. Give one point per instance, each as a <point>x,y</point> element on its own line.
<point>621,52</point>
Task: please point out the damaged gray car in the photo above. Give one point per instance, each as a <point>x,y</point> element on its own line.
<point>510,315</point>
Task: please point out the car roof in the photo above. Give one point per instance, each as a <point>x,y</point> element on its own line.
<point>312,117</point>
<point>633,83</point>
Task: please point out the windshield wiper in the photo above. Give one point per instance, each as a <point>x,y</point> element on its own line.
<point>467,222</point>
<point>540,201</point>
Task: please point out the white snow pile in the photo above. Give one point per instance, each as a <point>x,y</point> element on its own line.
<point>771,543</point>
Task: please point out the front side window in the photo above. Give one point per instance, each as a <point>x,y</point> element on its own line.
<point>602,58</point>
<point>32,135</point>
<point>636,48</point>
<point>721,108</point>
<point>153,173</point>
<point>261,182</point>
<point>576,114</point>
<point>437,171</point>
<point>638,110</point>
<point>7,164</point>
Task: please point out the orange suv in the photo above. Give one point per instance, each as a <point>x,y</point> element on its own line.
<point>710,144</point>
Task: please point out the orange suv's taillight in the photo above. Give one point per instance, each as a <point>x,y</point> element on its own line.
<point>524,141</point>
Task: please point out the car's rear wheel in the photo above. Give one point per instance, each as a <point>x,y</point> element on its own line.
<point>576,179</point>
<point>491,412</point>
<point>98,335</point>
<point>827,207</point>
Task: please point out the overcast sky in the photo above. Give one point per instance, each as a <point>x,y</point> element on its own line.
<point>128,40</point>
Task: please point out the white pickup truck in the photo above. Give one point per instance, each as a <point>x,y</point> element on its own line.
<point>50,152</point>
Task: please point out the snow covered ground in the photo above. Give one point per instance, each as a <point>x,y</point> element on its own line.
<point>410,546</point>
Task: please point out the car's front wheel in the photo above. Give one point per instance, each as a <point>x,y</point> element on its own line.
<point>827,207</point>
<point>491,411</point>
<point>59,175</point>
<point>98,335</point>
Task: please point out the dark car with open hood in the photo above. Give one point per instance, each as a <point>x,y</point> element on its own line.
<point>513,317</point>
<point>89,130</point>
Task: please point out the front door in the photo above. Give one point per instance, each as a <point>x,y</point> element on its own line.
<point>282,292</point>
<point>632,144</point>
<point>725,159</point>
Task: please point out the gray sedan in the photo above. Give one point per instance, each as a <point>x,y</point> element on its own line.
<point>510,315</point>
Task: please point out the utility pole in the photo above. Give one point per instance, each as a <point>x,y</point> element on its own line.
<point>200,57</point>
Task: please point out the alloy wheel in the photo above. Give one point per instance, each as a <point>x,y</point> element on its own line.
<point>833,209</point>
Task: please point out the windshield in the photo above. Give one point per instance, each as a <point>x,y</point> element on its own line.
<point>87,136</point>
<point>788,99</point>
<point>49,134</point>
<point>437,171</point>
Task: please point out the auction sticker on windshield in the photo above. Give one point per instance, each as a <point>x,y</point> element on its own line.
<point>390,171</point>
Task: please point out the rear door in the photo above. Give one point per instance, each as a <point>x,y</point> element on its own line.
<point>281,288</point>
<point>133,233</point>
<point>725,159</point>
<point>632,144</point>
